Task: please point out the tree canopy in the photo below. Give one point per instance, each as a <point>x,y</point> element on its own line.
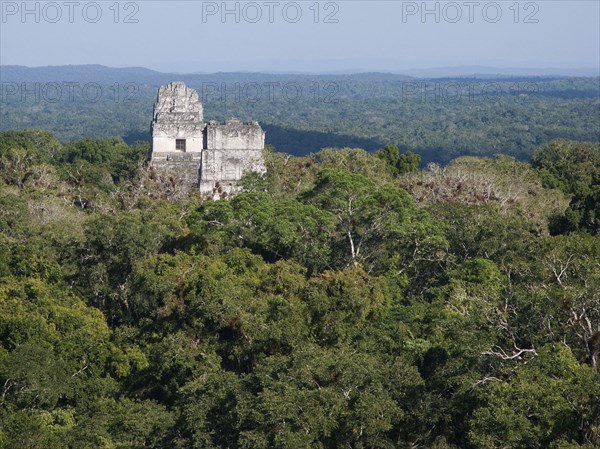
<point>343,300</point>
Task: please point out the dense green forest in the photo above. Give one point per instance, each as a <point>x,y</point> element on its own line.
<point>440,119</point>
<point>345,299</point>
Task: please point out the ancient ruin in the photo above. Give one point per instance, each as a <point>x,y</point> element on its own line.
<point>211,155</point>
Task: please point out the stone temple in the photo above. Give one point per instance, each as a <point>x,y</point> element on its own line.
<point>212,156</point>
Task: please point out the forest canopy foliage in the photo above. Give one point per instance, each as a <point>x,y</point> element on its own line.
<point>343,300</point>
<point>440,119</point>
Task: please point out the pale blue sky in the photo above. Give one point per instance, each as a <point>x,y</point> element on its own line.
<point>171,36</point>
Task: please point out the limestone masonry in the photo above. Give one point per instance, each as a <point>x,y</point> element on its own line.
<point>210,155</point>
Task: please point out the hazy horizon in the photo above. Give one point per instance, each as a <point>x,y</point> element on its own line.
<point>459,71</point>
<point>303,37</point>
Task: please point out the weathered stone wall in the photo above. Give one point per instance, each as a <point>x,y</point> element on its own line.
<point>222,169</point>
<point>184,169</point>
<point>162,146</point>
<point>236,135</point>
<point>232,149</point>
<point>178,114</point>
<point>216,155</point>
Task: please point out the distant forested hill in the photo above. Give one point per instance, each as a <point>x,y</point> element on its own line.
<point>438,118</point>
